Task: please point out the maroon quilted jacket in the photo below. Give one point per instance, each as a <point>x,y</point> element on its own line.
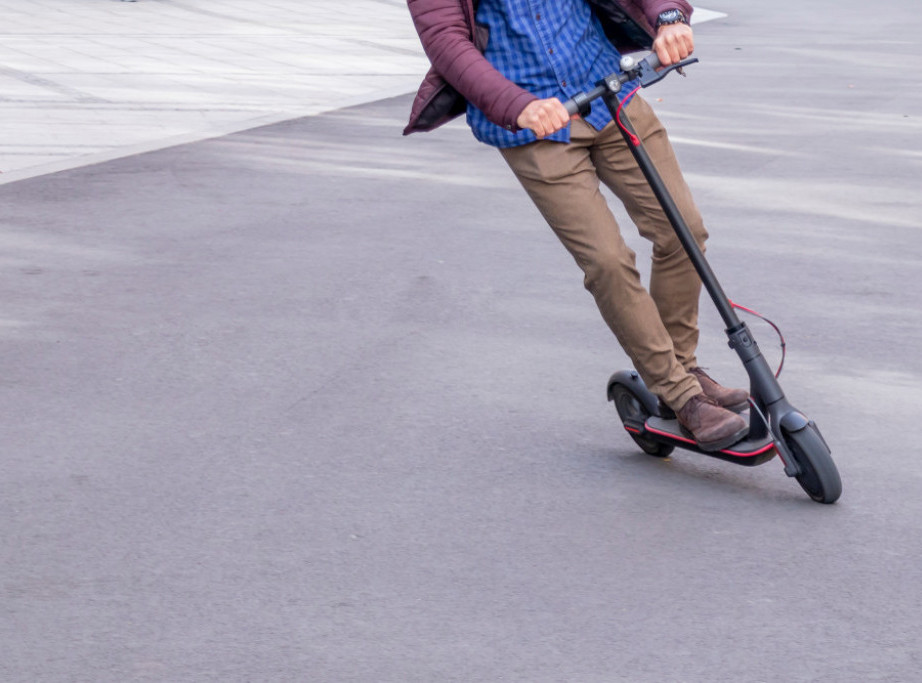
<point>460,73</point>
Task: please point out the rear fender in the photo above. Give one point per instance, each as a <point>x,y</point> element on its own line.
<point>632,382</point>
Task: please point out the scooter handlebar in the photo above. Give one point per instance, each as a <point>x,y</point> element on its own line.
<point>572,107</point>
<point>581,101</point>
<point>653,60</point>
<point>645,71</point>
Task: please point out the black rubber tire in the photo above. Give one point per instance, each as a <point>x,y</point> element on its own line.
<point>819,476</point>
<point>630,407</point>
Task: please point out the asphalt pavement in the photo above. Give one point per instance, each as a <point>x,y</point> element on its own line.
<point>313,401</point>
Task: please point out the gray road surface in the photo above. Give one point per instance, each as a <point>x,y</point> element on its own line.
<point>315,402</point>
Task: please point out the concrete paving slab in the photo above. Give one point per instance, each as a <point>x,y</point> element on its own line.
<point>204,70</point>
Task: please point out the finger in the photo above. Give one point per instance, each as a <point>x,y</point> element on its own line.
<point>663,53</point>
<point>541,126</point>
<point>681,48</point>
<point>551,124</point>
<point>550,119</point>
<point>559,114</point>
<point>537,129</point>
<point>685,43</point>
<point>563,116</point>
<point>672,47</point>
<point>661,47</point>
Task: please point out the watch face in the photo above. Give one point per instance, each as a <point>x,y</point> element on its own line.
<point>670,16</point>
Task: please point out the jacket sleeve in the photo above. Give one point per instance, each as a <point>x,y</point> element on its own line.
<point>448,42</point>
<point>653,8</point>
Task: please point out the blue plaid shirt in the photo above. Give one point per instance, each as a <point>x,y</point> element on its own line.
<point>551,48</point>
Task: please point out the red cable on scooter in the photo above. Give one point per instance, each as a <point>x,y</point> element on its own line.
<point>776,328</point>
<point>634,139</point>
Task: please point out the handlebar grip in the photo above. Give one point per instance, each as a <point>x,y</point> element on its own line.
<point>653,60</point>
<point>572,107</point>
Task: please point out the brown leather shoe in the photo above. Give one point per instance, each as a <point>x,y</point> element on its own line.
<point>711,426</point>
<point>736,400</point>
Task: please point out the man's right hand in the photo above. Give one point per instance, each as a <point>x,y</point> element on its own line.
<point>674,42</point>
<point>544,117</point>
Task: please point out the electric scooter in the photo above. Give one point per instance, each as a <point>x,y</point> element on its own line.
<point>775,426</point>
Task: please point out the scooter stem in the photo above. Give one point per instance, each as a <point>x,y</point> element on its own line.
<point>695,255</point>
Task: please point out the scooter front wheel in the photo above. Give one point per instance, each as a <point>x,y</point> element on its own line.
<point>631,410</point>
<point>818,474</point>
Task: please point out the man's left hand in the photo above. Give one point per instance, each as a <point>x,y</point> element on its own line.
<point>674,42</point>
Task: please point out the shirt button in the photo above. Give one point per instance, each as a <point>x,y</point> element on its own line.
<point>551,51</point>
<point>538,17</point>
<point>563,83</point>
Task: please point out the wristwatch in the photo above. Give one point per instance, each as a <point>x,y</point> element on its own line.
<point>671,16</point>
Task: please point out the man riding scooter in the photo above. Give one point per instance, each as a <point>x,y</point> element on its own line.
<point>509,65</point>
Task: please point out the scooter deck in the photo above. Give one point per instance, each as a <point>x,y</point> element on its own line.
<point>746,452</point>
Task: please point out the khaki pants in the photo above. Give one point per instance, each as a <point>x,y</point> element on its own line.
<point>657,329</point>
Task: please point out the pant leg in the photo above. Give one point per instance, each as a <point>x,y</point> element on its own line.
<point>674,284</point>
<point>562,181</point>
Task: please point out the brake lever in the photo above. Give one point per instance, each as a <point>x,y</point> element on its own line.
<point>647,74</point>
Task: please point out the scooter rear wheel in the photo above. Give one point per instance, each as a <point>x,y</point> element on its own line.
<point>630,409</point>
<point>819,476</point>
